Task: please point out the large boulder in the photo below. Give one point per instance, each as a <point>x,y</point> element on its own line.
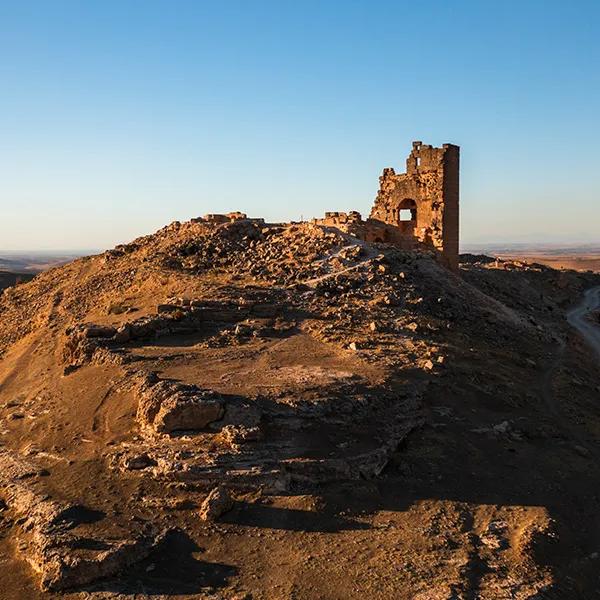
<point>188,411</point>
<point>167,406</point>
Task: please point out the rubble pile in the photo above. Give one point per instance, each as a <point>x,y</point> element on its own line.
<point>281,255</point>
<point>352,438</point>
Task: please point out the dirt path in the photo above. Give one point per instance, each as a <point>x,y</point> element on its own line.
<point>577,317</point>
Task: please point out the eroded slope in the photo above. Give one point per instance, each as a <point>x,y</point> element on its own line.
<point>386,428</point>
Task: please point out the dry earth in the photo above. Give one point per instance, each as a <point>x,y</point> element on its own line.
<point>270,412</point>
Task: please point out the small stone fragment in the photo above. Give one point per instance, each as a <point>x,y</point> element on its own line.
<point>139,462</point>
<point>239,434</point>
<point>218,502</point>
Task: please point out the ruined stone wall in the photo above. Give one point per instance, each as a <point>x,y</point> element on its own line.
<point>413,210</point>
<point>369,230</point>
<point>220,219</point>
<point>422,204</point>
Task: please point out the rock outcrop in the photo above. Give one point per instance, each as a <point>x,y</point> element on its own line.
<point>50,538</point>
<point>170,406</point>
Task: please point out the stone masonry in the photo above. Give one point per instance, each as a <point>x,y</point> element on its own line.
<point>423,202</point>
<point>416,209</point>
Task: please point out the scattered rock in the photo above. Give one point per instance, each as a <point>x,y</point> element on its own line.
<point>501,428</point>
<point>167,308</point>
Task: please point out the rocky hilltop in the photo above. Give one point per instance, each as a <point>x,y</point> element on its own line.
<point>251,410</point>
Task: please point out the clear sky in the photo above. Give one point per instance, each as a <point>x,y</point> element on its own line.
<point>117,117</point>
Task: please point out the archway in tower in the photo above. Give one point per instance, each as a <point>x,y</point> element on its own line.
<point>407,212</point>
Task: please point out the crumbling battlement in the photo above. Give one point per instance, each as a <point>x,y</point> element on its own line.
<point>341,218</point>
<point>218,219</point>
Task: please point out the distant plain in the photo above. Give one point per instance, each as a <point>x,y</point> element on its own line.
<point>36,261</point>
<point>576,257</point>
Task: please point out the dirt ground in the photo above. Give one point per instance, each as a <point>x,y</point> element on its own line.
<point>490,492</point>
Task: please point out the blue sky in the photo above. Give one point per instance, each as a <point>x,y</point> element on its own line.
<point>117,117</point>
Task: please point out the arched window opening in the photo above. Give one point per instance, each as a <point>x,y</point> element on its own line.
<point>407,211</point>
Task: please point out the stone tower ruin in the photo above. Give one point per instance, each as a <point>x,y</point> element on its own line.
<point>421,205</point>
<point>416,210</point>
